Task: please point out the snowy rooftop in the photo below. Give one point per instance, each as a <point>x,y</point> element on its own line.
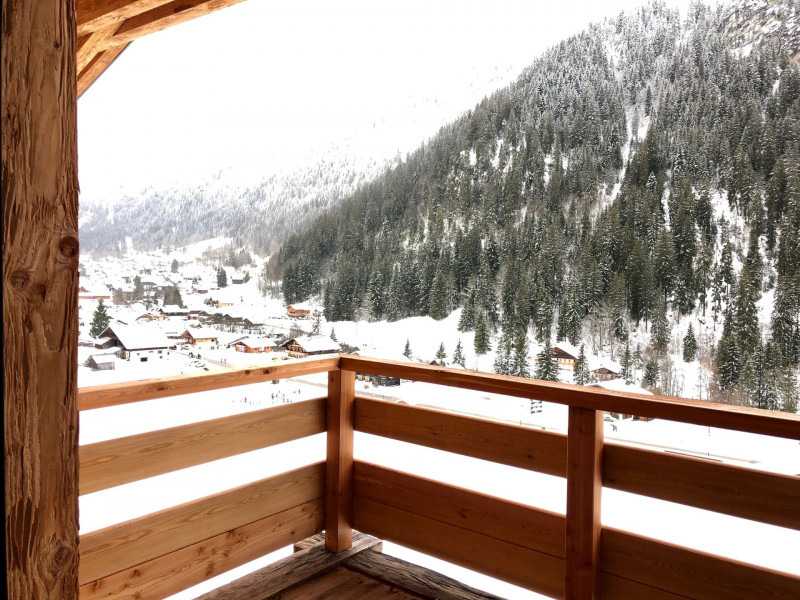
<point>138,337</point>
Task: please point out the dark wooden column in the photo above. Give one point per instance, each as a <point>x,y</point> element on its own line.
<point>40,321</point>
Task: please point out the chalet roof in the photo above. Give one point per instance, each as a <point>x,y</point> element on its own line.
<point>100,359</point>
<point>174,308</point>
<point>315,343</point>
<point>567,348</point>
<point>599,363</point>
<point>262,342</point>
<point>202,333</point>
<point>137,337</point>
<point>300,306</point>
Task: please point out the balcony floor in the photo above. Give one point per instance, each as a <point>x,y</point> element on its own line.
<point>362,573</point>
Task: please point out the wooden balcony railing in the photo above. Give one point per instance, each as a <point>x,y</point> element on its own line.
<point>563,556</point>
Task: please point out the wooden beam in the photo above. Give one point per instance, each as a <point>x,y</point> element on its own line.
<point>689,573</point>
<point>167,15</point>
<point>584,487</point>
<point>119,547</point>
<point>97,66</point>
<point>94,15</point>
<point>504,520</point>
<point>93,44</point>
<point>40,284</point>
<point>171,573</point>
<point>122,460</point>
<point>537,571</point>
<point>739,418</point>
<point>299,567</point>
<point>339,464</point>
<point>101,396</point>
<point>728,489</point>
<point>503,443</point>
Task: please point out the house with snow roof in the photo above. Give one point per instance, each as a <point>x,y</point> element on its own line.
<point>137,342</point>
<point>298,311</point>
<point>252,345</point>
<point>310,345</point>
<point>201,336</point>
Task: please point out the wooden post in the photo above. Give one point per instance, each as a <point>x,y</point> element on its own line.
<point>40,290</point>
<point>339,472</point>
<point>584,487</point>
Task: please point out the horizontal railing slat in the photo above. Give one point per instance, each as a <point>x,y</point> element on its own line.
<point>171,573</point>
<point>674,409</point>
<point>127,544</point>
<point>728,489</point>
<point>103,396</point>
<point>123,460</point>
<point>507,521</point>
<point>690,573</point>
<point>522,566</point>
<point>503,443</point>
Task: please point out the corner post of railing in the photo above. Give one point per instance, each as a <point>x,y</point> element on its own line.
<point>584,488</point>
<point>339,462</point>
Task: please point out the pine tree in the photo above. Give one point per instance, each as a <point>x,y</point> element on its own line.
<point>659,333</point>
<point>458,355</point>
<point>100,320</point>
<point>650,376</point>
<point>441,355</point>
<point>580,371</point>
<point>333,334</point>
<point>222,278</point>
<point>626,362</point>
<point>689,345</point>
<point>547,367</point>
<point>502,359</point>
<point>315,330</point>
<point>407,350</point>
<point>746,313</point>
<point>482,344</point>
<point>519,358</point>
<point>174,267</point>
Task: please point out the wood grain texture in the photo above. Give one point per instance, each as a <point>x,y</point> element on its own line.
<point>689,573</point>
<point>193,564</point>
<point>93,15</point>
<point>167,15</point>
<point>739,418</point>
<point>290,571</point>
<point>93,44</point>
<point>414,578</point>
<point>122,546</point>
<point>584,488</point>
<point>164,387</point>
<point>503,443</point>
<point>612,586</point>
<point>96,67</point>
<point>521,566</point>
<point>339,462</point>
<point>493,517</point>
<point>741,492</point>
<point>122,460</point>
<point>40,284</point>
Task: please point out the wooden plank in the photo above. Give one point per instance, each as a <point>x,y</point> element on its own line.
<point>167,15</point>
<point>92,45</point>
<point>414,578</point>
<point>739,418</point>
<point>101,396</point>
<point>121,546</point>
<point>732,490</point>
<point>493,517</point>
<point>534,570</point>
<point>612,586</point>
<point>40,307</point>
<point>285,573</point>
<point>93,15</point>
<point>96,67</point>
<point>193,564</point>
<point>122,460</point>
<point>691,573</point>
<point>339,478</point>
<point>503,443</point>
<point>584,488</point>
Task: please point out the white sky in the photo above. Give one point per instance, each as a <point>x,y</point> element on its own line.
<point>266,85</point>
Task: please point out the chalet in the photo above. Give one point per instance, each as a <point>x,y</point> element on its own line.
<point>254,345</point>
<point>570,554</point>
<point>310,345</point>
<point>603,373</point>
<point>173,310</point>
<point>87,292</point>
<point>137,342</point>
<point>566,354</point>
<point>237,279</point>
<point>201,336</point>
<point>298,311</point>
<point>102,362</point>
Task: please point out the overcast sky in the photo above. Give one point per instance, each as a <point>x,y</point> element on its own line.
<point>268,85</point>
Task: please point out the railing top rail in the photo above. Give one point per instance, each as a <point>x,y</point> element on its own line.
<point>751,420</point>
<point>102,396</point>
